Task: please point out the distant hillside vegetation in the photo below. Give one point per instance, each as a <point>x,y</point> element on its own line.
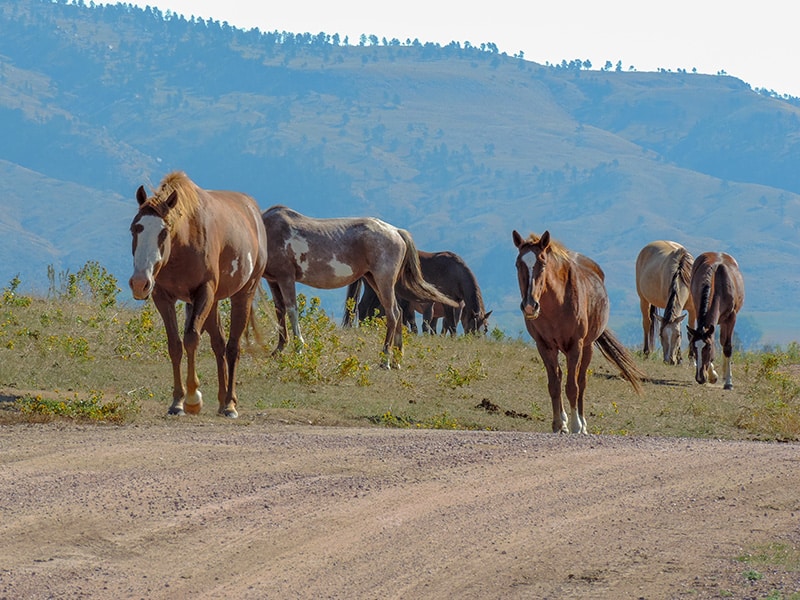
<point>459,144</point>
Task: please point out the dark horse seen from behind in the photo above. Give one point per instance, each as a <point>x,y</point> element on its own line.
<point>448,272</point>
<point>565,305</point>
<point>718,295</point>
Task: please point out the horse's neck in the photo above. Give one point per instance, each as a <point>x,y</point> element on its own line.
<point>708,311</point>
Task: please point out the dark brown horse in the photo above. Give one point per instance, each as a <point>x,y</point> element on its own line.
<point>663,271</point>
<point>448,272</point>
<point>200,247</point>
<point>332,253</point>
<point>565,305</point>
<point>718,294</point>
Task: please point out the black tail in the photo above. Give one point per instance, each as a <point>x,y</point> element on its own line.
<point>351,315</point>
<point>412,284</point>
<point>651,334</point>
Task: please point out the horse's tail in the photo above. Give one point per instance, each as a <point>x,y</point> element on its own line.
<point>411,280</point>
<point>351,315</point>
<point>651,334</point>
<point>614,352</point>
<point>252,322</point>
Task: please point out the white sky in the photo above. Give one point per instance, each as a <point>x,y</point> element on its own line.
<point>754,42</point>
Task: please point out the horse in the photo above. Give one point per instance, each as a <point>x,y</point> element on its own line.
<point>332,253</point>
<point>565,306</point>
<point>663,271</point>
<point>448,272</point>
<point>718,294</point>
<point>200,247</point>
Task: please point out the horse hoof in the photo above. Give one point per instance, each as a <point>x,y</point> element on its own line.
<point>228,412</point>
<point>176,411</point>
<point>728,386</point>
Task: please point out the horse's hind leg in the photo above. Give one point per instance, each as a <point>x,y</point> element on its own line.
<point>240,313</point>
<point>214,328</point>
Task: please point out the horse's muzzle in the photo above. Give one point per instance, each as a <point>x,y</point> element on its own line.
<point>530,311</point>
<point>141,287</point>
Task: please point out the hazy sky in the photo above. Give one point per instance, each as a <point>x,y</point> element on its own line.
<point>754,42</point>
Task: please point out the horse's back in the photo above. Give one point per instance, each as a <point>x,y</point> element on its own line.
<point>331,252</point>
<point>655,266</point>
<point>723,267</point>
<point>234,229</point>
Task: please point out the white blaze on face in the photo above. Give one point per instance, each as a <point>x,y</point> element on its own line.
<point>529,260</point>
<point>148,252</point>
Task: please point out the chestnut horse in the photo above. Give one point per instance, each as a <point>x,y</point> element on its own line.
<point>332,253</point>
<point>565,305</point>
<point>200,247</point>
<point>663,270</point>
<point>448,272</point>
<point>718,294</point>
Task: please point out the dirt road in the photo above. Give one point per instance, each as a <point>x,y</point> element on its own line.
<point>188,510</point>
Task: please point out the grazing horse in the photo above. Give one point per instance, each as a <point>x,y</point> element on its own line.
<point>565,305</point>
<point>332,253</point>
<point>718,294</point>
<point>200,247</point>
<point>663,271</point>
<point>448,272</point>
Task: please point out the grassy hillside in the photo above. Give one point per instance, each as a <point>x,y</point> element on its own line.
<point>458,144</point>
<point>81,356</point>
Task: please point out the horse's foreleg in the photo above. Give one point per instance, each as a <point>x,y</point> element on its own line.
<point>550,360</point>
<point>726,340</point>
<point>578,420</point>
<point>166,308</point>
<point>647,345</point>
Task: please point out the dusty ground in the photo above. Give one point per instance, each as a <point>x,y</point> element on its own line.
<point>185,509</point>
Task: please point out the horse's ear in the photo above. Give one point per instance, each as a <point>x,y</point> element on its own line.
<point>518,241</point>
<point>544,241</point>
<point>692,332</point>
<point>141,195</point>
<point>709,331</point>
<point>682,317</point>
<point>658,318</point>
<point>172,200</point>
<point>486,316</point>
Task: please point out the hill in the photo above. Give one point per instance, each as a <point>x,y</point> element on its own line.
<point>459,144</point>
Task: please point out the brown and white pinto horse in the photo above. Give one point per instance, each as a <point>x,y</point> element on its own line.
<point>663,271</point>
<point>200,247</point>
<point>565,305</point>
<point>333,253</point>
<point>718,294</point>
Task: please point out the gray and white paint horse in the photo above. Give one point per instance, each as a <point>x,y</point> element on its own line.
<point>333,253</point>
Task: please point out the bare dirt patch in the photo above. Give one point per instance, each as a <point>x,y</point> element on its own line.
<point>219,510</point>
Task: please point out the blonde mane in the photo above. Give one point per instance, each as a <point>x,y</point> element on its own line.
<point>557,248</point>
<point>179,182</point>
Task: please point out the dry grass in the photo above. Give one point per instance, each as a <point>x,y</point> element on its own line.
<point>57,352</point>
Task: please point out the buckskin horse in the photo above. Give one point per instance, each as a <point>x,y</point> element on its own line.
<point>448,272</point>
<point>333,253</point>
<point>718,294</point>
<point>565,306</point>
<point>663,271</point>
<point>198,246</point>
